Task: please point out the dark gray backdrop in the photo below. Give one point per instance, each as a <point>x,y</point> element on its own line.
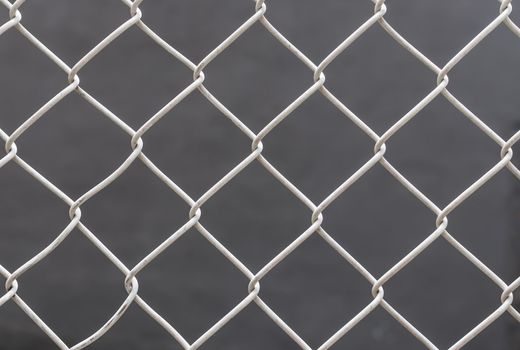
<point>76,289</point>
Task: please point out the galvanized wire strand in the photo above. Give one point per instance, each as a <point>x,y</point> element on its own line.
<point>195,212</point>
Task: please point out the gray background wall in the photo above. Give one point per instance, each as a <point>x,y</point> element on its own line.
<point>76,289</point>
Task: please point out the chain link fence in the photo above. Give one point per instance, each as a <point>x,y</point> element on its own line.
<point>318,70</point>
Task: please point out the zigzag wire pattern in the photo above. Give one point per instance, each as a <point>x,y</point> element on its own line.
<point>136,142</point>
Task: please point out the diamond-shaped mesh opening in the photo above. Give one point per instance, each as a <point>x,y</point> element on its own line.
<point>197,129</point>
<point>439,29</point>
<point>442,137</point>
<point>399,228</point>
<point>499,107</point>
<point>188,269</point>
<point>294,287</point>
<point>490,231</point>
<point>252,237</point>
<point>64,270</point>
<point>112,77</point>
<point>74,137</point>
<point>61,25</point>
<point>318,157</point>
<point>135,331</point>
<point>500,334</point>
<point>257,63</point>
<point>22,334</point>
<point>452,277</point>
<point>378,91</point>
<point>143,213</point>
<point>25,71</point>
<point>214,22</point>
<point>316,30</point>
<point>379,330</point>
<point>19,240</point>
<point>251,329</point>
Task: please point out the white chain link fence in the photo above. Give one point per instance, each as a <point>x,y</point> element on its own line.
<point>259,14</point>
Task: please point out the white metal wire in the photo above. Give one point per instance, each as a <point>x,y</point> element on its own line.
<point>318,70</point>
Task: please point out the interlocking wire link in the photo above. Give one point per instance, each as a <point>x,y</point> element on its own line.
<point>259,11</point>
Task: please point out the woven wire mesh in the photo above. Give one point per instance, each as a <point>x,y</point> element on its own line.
<point>130,274</point>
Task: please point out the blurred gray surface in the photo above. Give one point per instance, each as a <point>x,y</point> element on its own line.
<point>76,289</point>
